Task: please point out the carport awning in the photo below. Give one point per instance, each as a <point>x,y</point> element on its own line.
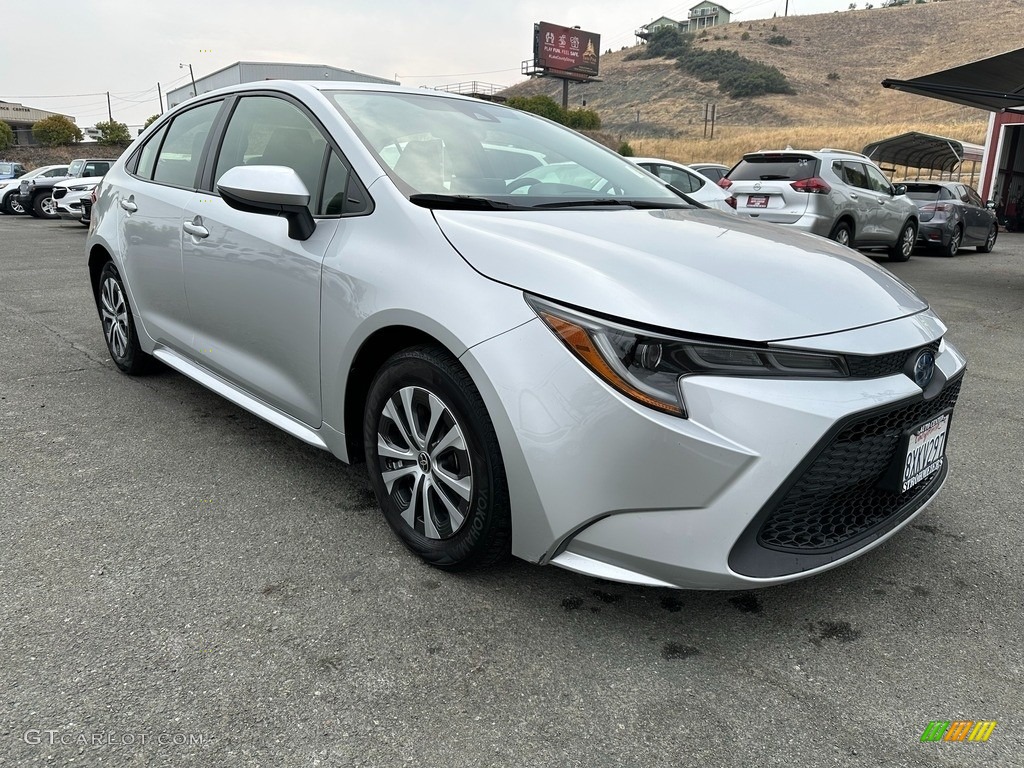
<point>923,150</point>
<point>995,84</point>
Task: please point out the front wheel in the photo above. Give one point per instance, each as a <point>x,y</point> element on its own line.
<point>119,325</point>
<point>990,241</point>
<point>904,245</point>
<point>434,461</point>
<point>44,207</point>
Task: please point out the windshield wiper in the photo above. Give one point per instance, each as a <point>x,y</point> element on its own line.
<point>462,203</point>
<point>617,202</point>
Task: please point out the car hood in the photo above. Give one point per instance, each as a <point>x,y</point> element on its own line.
<point>697,271</point>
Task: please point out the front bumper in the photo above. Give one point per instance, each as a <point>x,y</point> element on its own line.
<point>604,486</point>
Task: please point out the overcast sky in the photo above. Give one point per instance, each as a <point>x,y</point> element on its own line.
<point>63,55</point>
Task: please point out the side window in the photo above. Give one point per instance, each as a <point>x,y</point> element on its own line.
<point>681,180</point>
<point>183,148</point>
<point>945,194</point>
<point>854,175</point>
<point>146,161</point>
<point>55,172</point>
<point>974,198</point>
<point>961,190</point>
<point>265,130</point>
<point>878,182</point>
<point>342,194</point>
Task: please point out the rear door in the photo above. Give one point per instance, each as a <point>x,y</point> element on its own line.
<point>762,186</point>
<point>890,213</point>
<point>975,218</point>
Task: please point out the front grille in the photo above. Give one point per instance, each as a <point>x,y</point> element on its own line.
<point>836,499</point>
<point>877,366</point>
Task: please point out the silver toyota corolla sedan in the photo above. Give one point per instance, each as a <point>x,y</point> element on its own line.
<point>593,372</point>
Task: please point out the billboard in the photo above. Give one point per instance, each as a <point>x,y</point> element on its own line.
<point>566,51</point>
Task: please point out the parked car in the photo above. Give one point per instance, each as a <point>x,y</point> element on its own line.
<point>70,194</point>
<point>11,170</point>
<point>9,189</point>
<point>36,195</point>
<point>833,193</point>
<point>613,381</point>
<point>952,216</point>
<point>700,188</point>
<point>714,171</point>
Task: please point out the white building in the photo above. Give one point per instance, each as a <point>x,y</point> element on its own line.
<point>253,71</point>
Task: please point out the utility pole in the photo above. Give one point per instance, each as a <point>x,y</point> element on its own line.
<point>160,98</point>
<point>110,114</point>
<point>195,91</point>
<point>787,8</point>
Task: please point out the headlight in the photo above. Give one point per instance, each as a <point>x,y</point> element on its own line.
<point>81,188</point>
<point>647,366</point>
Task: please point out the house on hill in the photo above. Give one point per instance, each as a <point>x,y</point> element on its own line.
<point>701,16</point>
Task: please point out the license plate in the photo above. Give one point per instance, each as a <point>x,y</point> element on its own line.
<point>926,446</point>
<point>757,201</point>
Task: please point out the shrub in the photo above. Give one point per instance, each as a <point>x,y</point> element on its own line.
<point>625,150</point>
<point>779,40</point>
<point>56,131</point>
<point>149,121</point>
<point>745,36</point>
<point>580,119</point>
<point>113,133</point>
<point>6,136</point>
<point>832,76</point>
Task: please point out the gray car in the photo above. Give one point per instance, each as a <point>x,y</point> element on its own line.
<point>953,216</point>
<point>595,375</point>
<point>833,193</point>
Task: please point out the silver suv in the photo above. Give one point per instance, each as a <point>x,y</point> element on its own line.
<point>829,192</point>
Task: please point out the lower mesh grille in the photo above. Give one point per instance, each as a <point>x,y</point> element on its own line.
<point>836,499</point>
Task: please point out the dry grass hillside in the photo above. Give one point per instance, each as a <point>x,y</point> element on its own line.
<point>660,110</point>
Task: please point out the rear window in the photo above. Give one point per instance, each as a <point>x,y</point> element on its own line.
<point>775,168</point>
<point>928,192</point>
<point>6,168</point>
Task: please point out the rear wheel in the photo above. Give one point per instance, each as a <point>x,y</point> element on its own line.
<point>841,234</point>
<point>119,325</point>
<point>434,461</point>
<point>990,241</point>
<point>953,245</point>
<point>904,245</point>
<point>44,207</point>
<point>13,206</point>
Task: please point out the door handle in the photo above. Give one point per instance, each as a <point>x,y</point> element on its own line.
<point>854,196</point>
<point>195,227</point>
<point>129,205</point>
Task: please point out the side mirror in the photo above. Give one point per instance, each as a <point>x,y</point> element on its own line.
<point>990,204</point>
<point>899,189</point>
<point>271,190</point>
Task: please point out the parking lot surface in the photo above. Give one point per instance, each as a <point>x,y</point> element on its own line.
<point>185,585</point>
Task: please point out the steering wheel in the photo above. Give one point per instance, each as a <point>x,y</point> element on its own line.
<point>526,181</point>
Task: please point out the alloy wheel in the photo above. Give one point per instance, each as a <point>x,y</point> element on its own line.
<point>424,462</point>
<point>114,311</point>
<point>907,241</point>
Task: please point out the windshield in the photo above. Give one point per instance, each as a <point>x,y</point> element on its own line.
<point>452,148</point>
<point>75,168</point>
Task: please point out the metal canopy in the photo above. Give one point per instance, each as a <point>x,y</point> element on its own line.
<point>923,150</point>
<point>995,84</point>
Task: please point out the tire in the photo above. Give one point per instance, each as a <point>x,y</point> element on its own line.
<point>119,324</point>
<point>841,234</point>
<point>13,207</point>
<point>904,245</point>
<point>449,506</point>
<point>43,207</point>
<point>949,249</point>
<point>990,241</point>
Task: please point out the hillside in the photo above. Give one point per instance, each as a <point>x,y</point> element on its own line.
<point>652,99</point>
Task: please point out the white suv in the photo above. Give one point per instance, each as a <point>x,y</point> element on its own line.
<point>829,192</point>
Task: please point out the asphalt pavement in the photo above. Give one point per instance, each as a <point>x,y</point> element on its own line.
<point>184,585</point>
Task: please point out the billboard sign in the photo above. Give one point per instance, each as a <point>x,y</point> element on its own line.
<point>566,51</point>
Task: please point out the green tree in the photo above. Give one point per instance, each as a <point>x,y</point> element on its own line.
<point>6,136</point>
<point>626,150</point>
<point>113,133</point>
<point>541,105</point>
<point>583,119</point>
<point>149,121</point>
<point>56,131</point>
